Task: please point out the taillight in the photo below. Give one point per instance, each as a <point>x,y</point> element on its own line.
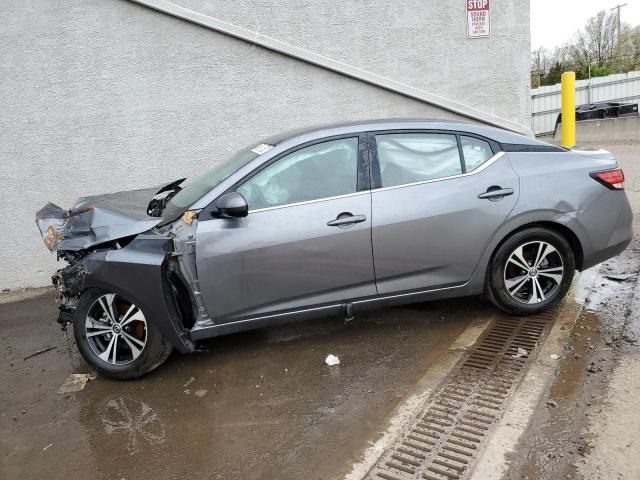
<point>612,179</point>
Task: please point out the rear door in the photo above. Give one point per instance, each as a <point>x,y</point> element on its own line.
<point>439,200</point>
<point>306,241</point>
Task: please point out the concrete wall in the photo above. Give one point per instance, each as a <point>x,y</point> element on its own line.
<point>546,102</point>
<point>107,95</point>
<point>608,130</point>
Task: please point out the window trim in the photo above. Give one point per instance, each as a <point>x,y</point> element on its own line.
<point>317,200</point>
<point>376,177</point>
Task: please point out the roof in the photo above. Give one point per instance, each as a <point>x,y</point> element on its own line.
<point>318,131</point>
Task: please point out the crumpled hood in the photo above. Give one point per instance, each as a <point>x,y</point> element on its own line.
<point>98,219</point>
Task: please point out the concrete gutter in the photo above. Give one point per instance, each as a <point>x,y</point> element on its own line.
<point>414,401</point>
<point>494,461</point>
<point>327,63</point>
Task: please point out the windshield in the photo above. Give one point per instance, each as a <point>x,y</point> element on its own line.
<point>196,188</point>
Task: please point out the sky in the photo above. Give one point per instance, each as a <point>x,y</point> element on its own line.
<point>553,22</point>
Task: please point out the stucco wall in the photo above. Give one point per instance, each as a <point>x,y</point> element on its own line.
<point>419,42</point>
<point>106,95</point>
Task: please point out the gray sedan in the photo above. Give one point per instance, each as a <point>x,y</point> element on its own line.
<point>327,221</point>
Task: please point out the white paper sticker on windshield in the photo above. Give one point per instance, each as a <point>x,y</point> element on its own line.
<point>262,148</point>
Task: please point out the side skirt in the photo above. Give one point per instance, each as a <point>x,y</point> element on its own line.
<point>344,309</point>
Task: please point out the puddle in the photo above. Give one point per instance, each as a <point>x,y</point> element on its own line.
<point>552,451</point>
<point>556,439</point>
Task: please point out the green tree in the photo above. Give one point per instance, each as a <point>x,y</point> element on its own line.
<point>596,50</point>
<point>553,75</point>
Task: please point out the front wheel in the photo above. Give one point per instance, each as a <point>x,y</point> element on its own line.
<point>114,336</point>
<point>530,272</point>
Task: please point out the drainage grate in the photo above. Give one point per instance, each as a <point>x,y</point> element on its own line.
<point>444,439</point>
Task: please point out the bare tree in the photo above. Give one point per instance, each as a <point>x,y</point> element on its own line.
<point>627,50</point>
<point>600,48</point>
<point>540,59</point>
<point>594,45</point>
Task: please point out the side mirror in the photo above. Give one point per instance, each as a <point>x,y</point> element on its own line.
<point>232,205</point>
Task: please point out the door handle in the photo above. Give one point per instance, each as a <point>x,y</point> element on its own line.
<point>496,193</point>
<point>346,219</point>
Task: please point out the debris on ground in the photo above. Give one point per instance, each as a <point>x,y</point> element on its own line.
<point>201,392</point>
<point>592,368</point>
<point>47,447</point>
<point>552,403</point>
<point>76,382</point>
<point>189,382</point>
<point>622,277</point>
<point>521,353</point>
<point>554,356</point>
<point>39,352</point>
<point>332,360</point>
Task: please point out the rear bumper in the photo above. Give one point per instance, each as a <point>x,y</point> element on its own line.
<point>605,254</point>
<point>609,223</point>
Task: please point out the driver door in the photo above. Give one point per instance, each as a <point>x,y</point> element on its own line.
<point>306,241</point>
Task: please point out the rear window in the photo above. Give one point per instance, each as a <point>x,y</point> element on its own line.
<point>416,157</point>
<point>475,152</point>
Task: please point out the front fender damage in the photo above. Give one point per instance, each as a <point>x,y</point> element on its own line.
<point>146,271</point>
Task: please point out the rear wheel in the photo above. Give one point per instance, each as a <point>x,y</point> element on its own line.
<point>530,272</point>
<point>114,336</point>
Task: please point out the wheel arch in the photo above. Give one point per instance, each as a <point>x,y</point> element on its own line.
<point>139,272</point>
<point>568,234</point>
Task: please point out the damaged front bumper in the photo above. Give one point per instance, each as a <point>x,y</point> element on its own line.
<point>69,283</point>
<point>110,243</point>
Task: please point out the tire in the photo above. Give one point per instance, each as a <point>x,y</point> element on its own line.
<point>539,287</point>
<point>139,346</point>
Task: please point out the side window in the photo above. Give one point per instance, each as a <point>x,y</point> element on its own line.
<point>319,171</point>
<point>475,152</point>
<point>415,157</point>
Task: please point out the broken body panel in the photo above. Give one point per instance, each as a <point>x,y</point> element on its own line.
<point>110,243</point>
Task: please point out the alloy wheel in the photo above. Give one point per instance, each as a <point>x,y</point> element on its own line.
<point>116,329</point>
<point>533,272</point>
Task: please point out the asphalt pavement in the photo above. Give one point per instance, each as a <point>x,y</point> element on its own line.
<point>260,404</point>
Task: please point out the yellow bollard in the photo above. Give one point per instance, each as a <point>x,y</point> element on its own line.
<point>568,109</point>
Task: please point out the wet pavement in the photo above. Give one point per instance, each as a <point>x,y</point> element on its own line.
<point>263,404</point>
<point>259,404</point>
<point>567,425</point>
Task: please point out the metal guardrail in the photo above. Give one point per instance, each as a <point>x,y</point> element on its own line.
<point>546,101</point>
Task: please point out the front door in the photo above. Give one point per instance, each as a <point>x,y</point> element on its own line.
<point>440,201</point>
<point>306,241</point>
